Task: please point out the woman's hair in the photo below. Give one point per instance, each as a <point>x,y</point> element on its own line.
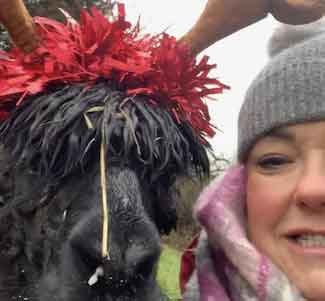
<point>290,89</point>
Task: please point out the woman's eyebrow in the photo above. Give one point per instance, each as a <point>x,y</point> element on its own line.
<point>282,134</point>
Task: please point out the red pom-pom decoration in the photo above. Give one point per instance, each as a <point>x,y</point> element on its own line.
<point>158,67</point>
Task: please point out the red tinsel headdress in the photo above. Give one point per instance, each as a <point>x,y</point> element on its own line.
<point>156,66</point>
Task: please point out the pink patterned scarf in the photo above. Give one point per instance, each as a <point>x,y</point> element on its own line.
<point>229,268</point>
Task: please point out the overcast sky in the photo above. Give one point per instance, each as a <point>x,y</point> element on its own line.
<point>239,57</point>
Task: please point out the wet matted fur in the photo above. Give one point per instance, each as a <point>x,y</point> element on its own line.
<point>49,132</point>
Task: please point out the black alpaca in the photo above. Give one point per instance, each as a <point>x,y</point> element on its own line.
<point>51,217</point>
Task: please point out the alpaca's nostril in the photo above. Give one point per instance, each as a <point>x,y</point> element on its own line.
<point>141,259</point>
<point>88,251</point>
<point>145,267</point>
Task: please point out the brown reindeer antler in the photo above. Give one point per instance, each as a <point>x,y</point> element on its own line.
<point>297,11</point>
<point>16,19</point>
<point>221,18</point>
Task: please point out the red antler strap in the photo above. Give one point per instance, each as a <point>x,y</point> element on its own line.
<point>15,17</point>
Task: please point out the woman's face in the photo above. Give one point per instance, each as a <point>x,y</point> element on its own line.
<point>286,203</point>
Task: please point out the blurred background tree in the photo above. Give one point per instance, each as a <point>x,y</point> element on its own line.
<point>188,190</point>
<point>49,8</point>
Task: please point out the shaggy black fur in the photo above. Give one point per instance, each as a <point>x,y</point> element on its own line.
<point>49,132</point>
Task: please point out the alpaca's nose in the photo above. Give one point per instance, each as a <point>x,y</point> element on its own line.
<point>133,255</point>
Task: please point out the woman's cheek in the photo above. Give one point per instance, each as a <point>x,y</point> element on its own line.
<point>267,200</point>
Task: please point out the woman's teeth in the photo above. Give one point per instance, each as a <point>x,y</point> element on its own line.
<point>309,240</point>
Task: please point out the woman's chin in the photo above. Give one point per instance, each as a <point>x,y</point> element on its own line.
<point>304,266</point>
<point>312,286</point>
<point>315,296</point>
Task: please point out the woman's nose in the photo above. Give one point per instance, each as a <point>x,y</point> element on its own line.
<point>310,190</point>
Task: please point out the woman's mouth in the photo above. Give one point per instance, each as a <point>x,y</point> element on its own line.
<point>310,240</point>
<point>307,242</point>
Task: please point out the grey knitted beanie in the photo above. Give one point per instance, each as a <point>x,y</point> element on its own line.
<point>290,89</point>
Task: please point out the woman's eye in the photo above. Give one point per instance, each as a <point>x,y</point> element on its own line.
<point>272,162</point>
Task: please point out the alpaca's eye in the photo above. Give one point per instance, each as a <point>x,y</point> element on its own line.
<point>272,162</point>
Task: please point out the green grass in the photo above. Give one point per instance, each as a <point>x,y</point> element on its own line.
<point>168,272</point>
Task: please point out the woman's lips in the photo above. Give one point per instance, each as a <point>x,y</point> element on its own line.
<point>307,242</point>
<point>305,231</point>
